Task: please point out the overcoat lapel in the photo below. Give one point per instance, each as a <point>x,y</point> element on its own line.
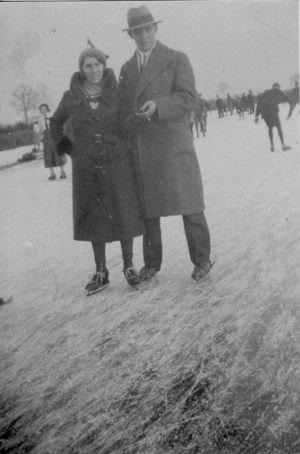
<point>158,60</point>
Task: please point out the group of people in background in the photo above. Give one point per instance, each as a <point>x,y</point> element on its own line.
<point>267,105</point>
<point>243,103</point>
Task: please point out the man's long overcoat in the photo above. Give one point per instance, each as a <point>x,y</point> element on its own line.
<point>106,206</point>
<point>165,161</point>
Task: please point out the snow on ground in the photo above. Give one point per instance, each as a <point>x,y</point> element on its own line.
<point>8,157</point>
<point>66,358</point>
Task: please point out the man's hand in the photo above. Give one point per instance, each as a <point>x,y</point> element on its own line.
<point>147,109</point>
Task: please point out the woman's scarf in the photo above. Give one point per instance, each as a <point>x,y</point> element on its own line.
<point>92,93</point>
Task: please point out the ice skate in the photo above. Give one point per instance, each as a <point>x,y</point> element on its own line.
<point>147,273</point>
<point>132,276</point>
<point>98,282</point>
<point>201,270</point>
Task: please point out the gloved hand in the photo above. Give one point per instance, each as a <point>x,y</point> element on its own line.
<point>64,146</point>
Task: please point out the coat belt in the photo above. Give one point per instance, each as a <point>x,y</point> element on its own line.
<point>98,138</point>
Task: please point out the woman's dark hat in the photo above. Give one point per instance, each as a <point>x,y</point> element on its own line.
<point>44,105</point>
<point>139,17</point>
<point>92,52</point>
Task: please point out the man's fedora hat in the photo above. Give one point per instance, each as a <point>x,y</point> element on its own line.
<point>139,17</point>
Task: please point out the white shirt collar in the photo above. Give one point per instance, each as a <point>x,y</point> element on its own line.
<point>140,53</point>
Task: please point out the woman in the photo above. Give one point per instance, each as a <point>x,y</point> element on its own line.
<point>51,158</point>
<point>105,201</point>
<point>37,137</point>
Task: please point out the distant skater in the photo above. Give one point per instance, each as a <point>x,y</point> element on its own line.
<point>220,107</point>
<point>230,104</point>
<point>240,108</point>
<point>51,158</point>
<point>37,136</point>
<point>267,107</point>
<point>250,101</point>
<point>201,115</point>
<point>294,99</point>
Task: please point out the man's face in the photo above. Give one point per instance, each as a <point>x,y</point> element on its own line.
<point>144,37</point>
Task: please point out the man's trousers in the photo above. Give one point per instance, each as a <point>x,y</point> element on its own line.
<point>196,232</point>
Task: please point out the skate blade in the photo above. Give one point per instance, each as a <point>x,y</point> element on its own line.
<point>92,292</point>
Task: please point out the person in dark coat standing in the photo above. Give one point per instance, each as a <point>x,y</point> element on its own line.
<point>267,107</point>
<point>250,102</point>
<point>106,207</point>
<point>239,108</point>
<point>220,106</point>
<point>157,93</point>
<point>51,158</point>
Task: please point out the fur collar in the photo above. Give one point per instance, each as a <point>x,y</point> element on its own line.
<point>109,86</point>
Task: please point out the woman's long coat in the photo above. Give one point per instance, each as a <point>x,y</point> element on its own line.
<point>165,161</point>
<point>106,206</point>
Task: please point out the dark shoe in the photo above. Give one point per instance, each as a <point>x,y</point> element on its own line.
<point>285,148</point>
<point>63,176</point>
<point>201,270</point>
<point>147,272</point>
<point>98,282</point>
<point>272,148</point>
<point>52,177</point>
<point>132,276</point>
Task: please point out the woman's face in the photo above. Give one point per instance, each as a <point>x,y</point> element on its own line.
<point>44,110</point>
<point>92,69</point>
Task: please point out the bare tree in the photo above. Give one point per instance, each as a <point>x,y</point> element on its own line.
<point>25,100</point>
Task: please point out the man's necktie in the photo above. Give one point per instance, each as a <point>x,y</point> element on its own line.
<point>143,62</point>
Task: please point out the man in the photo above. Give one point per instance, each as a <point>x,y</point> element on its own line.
<point>267,107</point>
<point>220,106</point>
<point>250,102</point>
<point>294,99</point>
<point>201,115</point>
<point>157,92</point>
<point>230,103</point>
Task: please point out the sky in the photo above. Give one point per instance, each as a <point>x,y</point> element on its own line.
<point>243,44</point>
